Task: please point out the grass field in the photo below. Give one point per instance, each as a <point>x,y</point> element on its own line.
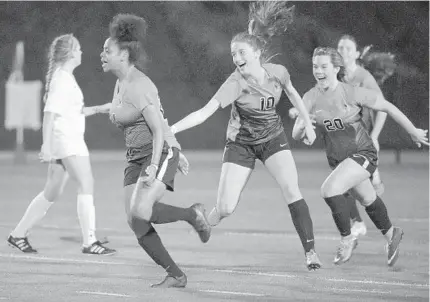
<point>255,255</point>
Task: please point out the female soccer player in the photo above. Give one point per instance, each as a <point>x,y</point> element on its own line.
<point>335,107</point>
<point>374,121</point>
<point>64,148</point>
<point>255,130</point>
<point>152,150</point>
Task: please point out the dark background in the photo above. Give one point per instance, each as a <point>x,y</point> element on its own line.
<point>189,52</point>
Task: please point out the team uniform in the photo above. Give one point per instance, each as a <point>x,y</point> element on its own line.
<point>363,78</point>
<point>338,116</point>
<point>126,113</point>
<point>66,101</point>
<point>255,130</point>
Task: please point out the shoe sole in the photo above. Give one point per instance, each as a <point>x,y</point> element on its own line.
<point>204,233</point>
<point>94,254</point>
<point>395,256</point>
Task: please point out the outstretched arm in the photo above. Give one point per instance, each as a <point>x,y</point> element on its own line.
<point>419,136</point>
<point>197,117</point>
<point>105,108</point>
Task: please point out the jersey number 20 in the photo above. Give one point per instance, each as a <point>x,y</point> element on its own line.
<point>333,125</point>
<point>267,103</point>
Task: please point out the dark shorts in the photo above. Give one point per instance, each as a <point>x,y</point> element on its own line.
<point>166,171</point>
<point>368,160</point>
<point>245,155</point>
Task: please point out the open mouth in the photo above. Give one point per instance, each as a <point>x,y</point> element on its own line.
<point>241,65</point>
<point>321,78</point>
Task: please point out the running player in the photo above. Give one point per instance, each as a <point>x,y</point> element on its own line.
<point>336,108</point>
<point>64,148</point>
<point>255,130</point>
<point>152,150</point>
<point>374,121</point>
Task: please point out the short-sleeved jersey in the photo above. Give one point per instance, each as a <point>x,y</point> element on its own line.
<point>338,116</point>
<point>129,101</point>
<point>253,118</point>
<point>363,78</point>
<point>66,100</point>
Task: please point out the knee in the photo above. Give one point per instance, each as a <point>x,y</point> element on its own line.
<point>86,184</point>
<point>329,189</point>
<point>53,189</point>
<point>291,193</point>
<point>141,211</point>
<point>368,199</point>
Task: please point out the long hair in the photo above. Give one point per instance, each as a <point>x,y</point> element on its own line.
<point>129,31</point>
<point>60,51</point>
<point>266,19</point>
<point>335,58</point>
<point>380,64</point>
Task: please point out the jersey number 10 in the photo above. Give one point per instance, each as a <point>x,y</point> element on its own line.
<point>333,125</point>
<point>266,104</point>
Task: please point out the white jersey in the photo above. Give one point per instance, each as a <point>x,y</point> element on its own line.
<point>66,100</point>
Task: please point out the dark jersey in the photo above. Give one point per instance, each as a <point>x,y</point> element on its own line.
<point>338,116</point>
<point>253,118</point>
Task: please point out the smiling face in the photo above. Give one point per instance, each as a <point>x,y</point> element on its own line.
<point>245,57</point>
<point>112,56</point>
<point>348,50</point>
<point>324,71</point>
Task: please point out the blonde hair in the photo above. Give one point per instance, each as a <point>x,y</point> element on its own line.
<point>59,53</point>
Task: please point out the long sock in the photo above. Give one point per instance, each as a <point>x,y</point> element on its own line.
<point>378,213</point>
<point>34,213</point>
<point>164,213</point>
<point>87,218</point>
<point>214,218</point>
<point>155,249</point>
<point>340,210</point>
<point>303,223</point>
<point>354,213</point>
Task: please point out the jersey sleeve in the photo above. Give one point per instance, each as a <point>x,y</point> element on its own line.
<point>229,91</point>
<point>58,95</point>
<point>141,95</point>
<point>365,97</point>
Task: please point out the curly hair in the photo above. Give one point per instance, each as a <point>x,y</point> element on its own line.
<point>266,19</point>
<point>335,58</point>
<point>129,31</point>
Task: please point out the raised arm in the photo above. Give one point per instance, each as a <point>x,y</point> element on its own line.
<point>419,136</point>
<point>197,117</point>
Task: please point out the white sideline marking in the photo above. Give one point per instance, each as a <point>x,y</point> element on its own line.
<point>372,291</point>
<point>230,293</point>
<point>265,274</point>
<point>103,294</point>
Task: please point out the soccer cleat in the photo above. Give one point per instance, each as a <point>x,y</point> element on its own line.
<point>312,261</point>
<point>98,249</point>
<point>201,224</point>
<point>21,243</point>
<point>358,228</point>
<point>393,246</point>
<point>344,250</point>
<point>172,281</point>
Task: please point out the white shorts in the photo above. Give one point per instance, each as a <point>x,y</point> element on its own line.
<point>63,147</point>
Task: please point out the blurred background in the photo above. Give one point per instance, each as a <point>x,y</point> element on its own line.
<point>189,56</point>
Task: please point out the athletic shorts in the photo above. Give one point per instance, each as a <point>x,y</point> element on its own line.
<point>67,146</point>
<point>367,159</point>
<point>166,171</point>
<point>245,155</point>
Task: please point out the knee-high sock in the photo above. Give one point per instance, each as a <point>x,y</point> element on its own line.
<point>340,210</point>
<point>303,223</point>
<point>34,213</point>
<point>354,213</point>
<point>378,213</point>
<point>164,213</point>
<point>87,218</point>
